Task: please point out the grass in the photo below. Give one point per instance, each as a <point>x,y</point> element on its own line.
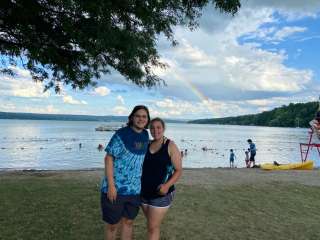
<point>48,207</point>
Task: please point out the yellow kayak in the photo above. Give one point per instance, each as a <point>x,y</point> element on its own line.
<point>307,165</point>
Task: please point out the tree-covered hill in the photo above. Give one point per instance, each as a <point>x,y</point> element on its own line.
<point>293,115</point>
<point>69,117</point>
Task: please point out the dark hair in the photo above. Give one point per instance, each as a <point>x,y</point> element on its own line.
<point>249,140</point>
<point>135,109</point>
<point>157,119</point>
<point>317,115</point>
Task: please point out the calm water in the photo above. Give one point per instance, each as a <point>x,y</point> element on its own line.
<point>33,144</point>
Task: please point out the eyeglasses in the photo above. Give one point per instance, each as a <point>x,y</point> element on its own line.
<point>140,116</point>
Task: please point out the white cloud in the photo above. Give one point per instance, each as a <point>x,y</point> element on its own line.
<point>274,35</point>
<point>120,110</point>
<point>195,55</point>
<point>213,64</point>
<point>120,99</point>
<point>70,100</point>
<point>7,107</point>
<point>290,9</point>
<point>49,109</point>
<point>21,85</point>
<point>169,108</point>
<point>308,38</point>
<point>180,109</point>
<point>287,31</point>
<point>101,91</point>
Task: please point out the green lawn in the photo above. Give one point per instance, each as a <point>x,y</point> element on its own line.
<point>48,207</point>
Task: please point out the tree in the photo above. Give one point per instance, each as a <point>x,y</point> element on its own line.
<point>74,41</point>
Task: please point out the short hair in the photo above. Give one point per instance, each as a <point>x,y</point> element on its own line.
<point>135,109</point>
<point>157,119</point>
<point>249,140</point>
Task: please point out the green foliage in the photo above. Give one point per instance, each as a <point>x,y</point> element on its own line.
<point>293,115</point>
<point>74,41</point>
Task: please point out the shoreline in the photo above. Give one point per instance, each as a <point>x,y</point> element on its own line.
<point>101,169</point>
<point>2,170</point>
<point>198,177</point>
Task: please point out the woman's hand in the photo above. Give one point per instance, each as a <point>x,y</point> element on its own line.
<point>163,189</point>
<point>112,193</point>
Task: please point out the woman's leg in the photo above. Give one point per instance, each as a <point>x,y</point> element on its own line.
<point>126,229</point>
<point>155,216</point>
<point>110,231</point>
<point>145,209</point>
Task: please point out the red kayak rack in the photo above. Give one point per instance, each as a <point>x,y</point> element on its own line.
<point>305,148</point>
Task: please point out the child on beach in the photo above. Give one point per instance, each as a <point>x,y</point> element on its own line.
<point>232,158</point>
<point>247,159</point>
<point>315,124</point>
<point>252,149</point>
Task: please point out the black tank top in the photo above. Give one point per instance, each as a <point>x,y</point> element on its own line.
<point>157,169</point>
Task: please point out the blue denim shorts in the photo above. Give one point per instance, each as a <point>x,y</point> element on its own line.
<point>160,202</point>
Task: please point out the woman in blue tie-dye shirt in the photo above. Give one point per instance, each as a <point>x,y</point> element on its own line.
<point>120,190</point>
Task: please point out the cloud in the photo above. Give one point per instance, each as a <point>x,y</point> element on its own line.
<point>180,109</point>
<point>241,69</point>
<point>194,55</point>
<point>120,110</point>
<point>49,109</point>
<point>120,99</point>
<point>290,9</point>
<point>274,35</point>
<point>102,91</point>
<point>69,100</point>
<point>308,38</point>
<point>214,64</point>
<point>169,108</point>
<point>21,85</point>
<point>7,107</point>
<point>287,31</point>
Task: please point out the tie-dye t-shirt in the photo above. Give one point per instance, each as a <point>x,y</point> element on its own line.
<point>128,149</point>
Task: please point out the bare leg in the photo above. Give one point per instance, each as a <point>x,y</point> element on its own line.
<point>154,219</point>
<point>126,229</point>
<point>110,231</point>
<point>145,209</point>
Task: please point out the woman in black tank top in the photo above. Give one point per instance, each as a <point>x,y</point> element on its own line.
<point>162,167</point>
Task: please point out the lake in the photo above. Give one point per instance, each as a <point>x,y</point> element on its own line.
<point>54,145</point>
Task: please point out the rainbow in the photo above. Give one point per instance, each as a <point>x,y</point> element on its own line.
<point>192,87</point>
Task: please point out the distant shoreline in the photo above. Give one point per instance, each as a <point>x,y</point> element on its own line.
<point>67,117</point>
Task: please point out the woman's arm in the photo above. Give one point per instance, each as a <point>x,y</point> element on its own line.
<point>108,169</point>
<point>175,155</point>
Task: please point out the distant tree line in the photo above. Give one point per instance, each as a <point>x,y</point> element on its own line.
<point>293,115</point>
<point>69,117</point>
<point>61,117</point>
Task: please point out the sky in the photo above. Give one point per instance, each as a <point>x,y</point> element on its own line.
<point>264,57</point>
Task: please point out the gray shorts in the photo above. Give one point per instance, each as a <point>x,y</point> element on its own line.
<point>160,202</point>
